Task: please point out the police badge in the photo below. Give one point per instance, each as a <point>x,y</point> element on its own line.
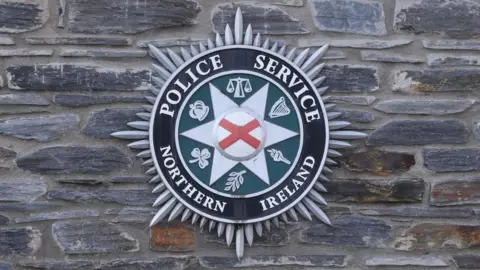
<point>238,135</point>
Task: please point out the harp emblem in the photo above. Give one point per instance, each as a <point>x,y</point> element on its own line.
<point>279,109</point>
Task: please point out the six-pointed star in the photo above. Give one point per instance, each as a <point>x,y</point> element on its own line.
<point>221,164</point>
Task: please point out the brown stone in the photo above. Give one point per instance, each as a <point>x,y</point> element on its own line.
<point>456,192</point>
<point>174,236</point>
<point>379,162</point>
<point>430,236</point>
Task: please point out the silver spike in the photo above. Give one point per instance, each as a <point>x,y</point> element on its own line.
<point>238,25</point>
<point>218,40</point>
<point>211,225</point>
<point>323,178</point>
<point>155,179</point>
<point>282,50</point>
<point>303,210</point>
<point>163,212</point>
<point>210,44</point>
<point>202,47</point>
<point>162,71</point>
<point>130,134</point>
<point>155,90</point>
<point>195,217</point>
<point>301,57</point>
<point>312,73</point>
<point>333,153</point>
<point>330,106</point>
<point>284,217</point>
<point>276,222</point>
<point>347,134</point>
<point>318,186</point>
<point>291,54</point>
<point>193,50</point>
<point>314,57</point>
<point>334,125</point>
<point>162,58</point>
<point>258,228</point>
<point>186,214</point>
<point>330,161</point>
<point>274,47</point>
<point>318,81</point>
<point>145,154</point>
<point>258,40</point>
<point>185,54</point>
<point>293,214</point>
<point>148,108</point>
<point>177,210</point>
<point>144,116</point>
<point>159,82</point>
<point>143,144</point>
<point>314,195</point>
<point>316,211</point>
<point>333,115</point>
<point>248,39</point>
<point>143,125</point>
<point>159,188</point>
<point>249,233</point>
<point>327,170</point>
<point>228,35</point>
<point>239,242</point>
<point>203,221</point>
<point>150,99</point>
<point>148,162</point>
<point>266,43</point>
<point>229,232</point>
<point>220,228</point>
<point>338,144</point>
<point>325,99</point>
<point>322,90</point>
<point>162,198</point>
<point>177,60</point>
<point>266,223</point>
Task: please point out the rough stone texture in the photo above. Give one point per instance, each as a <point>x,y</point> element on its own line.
<point>41,129</point>
<point>430,236</point>
<point>62,77</point>
<point>255,261</point>
<point>89,182</point>
<point>452,44</point>
<point>265,19</point>
<point>122,196</point>
<point>24,52</point>
<point>455,192</point>
<point>4,220</point>
<point>103,123</point>
<point>173,237</point>
<point>75,100</point>
<point>57,215</point>
<point>33,14</point>
<point>27,207</point>
<point>375,191</point>
<point>6,41</point>
<point>450,18</point>
<point>5,266</point>
<point>378,162</point>
<point>23,99</point>
<point>23,240</point>
<point>154,263</point>
<point>452,160</point>
<point>419,132</point>
<point>129,17</point>
<point>360,78</point>
<point>437,80</point>
<point>440,59</point>
<point>74,159</point>
<point>130,179</point>
<point>6,156</point>
<point>466,261</point>
<point>419,212</point>
<point>354,43</point>
<point>390,57</point>
<point>95,236</point>
<point>21,191</point>
<point>331,54</point>
<point>356,116</point>
<point>354,100</point>
<point>427,261</point>
<point>102,53</point>
<point>58,265</point>
<point>427,107</point>
<point>79,40</point>
<point>132,215</point>
<point>349,16</point>
<point>171,42</point>
<point>349,231</point>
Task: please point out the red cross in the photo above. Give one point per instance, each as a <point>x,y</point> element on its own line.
<point>239,133</point>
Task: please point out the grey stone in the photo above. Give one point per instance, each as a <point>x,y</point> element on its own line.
<point>94,236</point>
<point>427,107</point>
<point>451,18</point>
<point>6,41</point>
<point>23,99</point>
<point>356,116</point>
<point>293,3</point>
<point>354,43</point>
<point>467,261</point>
<point>396,260</point>
<point>61,13</point>
<point>350,16</point>
<point>452,44</point>
<point>57,215</point>
<point>419,132</point>
<point>4,220</point>
<point>360,78</point>
<point>23,241</point>
<point>58,265</point>
<point>138,215</point>
<point>455,192</point>
<point>18,16</point>
<point>257,261</point>
<point>24,52</point>
<point>332,55</point>
<point>349,231</point>
<point>354,100</point>
<point>7,153</point>
<point>16,110</point>
<point>88,182</point>
<point>452,160</point>
<point>102,53</point>
<point>375,190</point>
<point>170,263</point>
<point>103,123</point>
<point>476,128</point>
<point>21,191</point>
<point>171,42</point>
<point>130,179</point>
<point>129,17</point>
<point>134,197</point>
<point>390,57</point>
<point>440,59</point>
<point>27,207</point>
<point>5,266</point>
<point>265,19</point>
<point>74,159</point>
<point>75,100</point>
<point>419,212</point>
<point>437,80</point>
<point>79,40</point>
<point>62,76</point>
<point>41,129</point>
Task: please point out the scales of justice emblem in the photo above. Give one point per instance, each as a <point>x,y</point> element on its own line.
<point>239,136</point>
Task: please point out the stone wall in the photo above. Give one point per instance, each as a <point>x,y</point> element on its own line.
<point>407,72</point>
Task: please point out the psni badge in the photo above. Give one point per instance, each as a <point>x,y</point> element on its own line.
<point>238,136</point>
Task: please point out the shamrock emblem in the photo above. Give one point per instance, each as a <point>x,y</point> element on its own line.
<point>201,157</point>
